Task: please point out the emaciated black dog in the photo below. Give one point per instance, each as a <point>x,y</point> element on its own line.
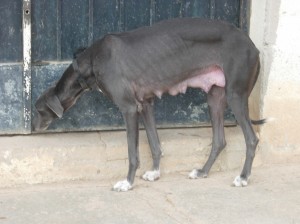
<point>133,67</point>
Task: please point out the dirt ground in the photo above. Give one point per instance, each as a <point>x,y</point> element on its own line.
<point>273,196</point>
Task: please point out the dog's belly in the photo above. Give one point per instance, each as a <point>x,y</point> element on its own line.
<point>200,80</point>
<point>203,79</point>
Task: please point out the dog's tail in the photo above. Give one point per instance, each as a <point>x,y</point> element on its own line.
<point>259,122</point>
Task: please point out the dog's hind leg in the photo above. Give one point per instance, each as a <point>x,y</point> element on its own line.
<point>131,121</point>
<point>217,102</point>
<point>239,105</point>
<point>149,122</point>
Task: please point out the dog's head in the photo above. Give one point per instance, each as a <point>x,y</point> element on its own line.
<point>75,80</point>
<point>48,107</point>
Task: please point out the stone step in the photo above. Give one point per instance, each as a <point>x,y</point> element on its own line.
<point>60,157</point>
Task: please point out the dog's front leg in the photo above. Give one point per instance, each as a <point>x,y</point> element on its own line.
<point>131,120</point>
<point>149,122</point>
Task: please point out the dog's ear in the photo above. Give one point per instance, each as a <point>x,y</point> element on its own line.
<point>54,104</point>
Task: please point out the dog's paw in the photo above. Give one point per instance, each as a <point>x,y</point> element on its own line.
<point>122,186</point>
<point>240,182</point>
<point>195,174</point>
<point>151,175</point>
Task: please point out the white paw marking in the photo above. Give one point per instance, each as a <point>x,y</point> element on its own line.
<point>193,174</point>
<point>151,175</point>
<point>240,182</point>
<point>122,186</point>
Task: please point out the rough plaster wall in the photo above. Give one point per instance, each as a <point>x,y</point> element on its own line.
<point>257,35</point>
<point>275,30</point>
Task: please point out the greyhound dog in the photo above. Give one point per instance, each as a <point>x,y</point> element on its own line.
<point>133,67</point>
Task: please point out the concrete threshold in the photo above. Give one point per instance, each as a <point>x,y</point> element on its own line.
<point>61,157</point>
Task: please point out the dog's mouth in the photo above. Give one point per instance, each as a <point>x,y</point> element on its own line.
<point>42,121</point>
<point>37,125</point>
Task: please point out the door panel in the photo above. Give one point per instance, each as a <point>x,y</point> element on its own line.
<point>59,27</point>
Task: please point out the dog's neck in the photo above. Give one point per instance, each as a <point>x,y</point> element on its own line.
<point>86,81</point>
<point>81,78</point>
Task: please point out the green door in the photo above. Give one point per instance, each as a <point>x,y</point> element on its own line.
<point>59,27</point>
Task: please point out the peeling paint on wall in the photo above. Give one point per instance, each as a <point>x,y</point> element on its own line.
<point>27,65</point>
<point>11,100</point>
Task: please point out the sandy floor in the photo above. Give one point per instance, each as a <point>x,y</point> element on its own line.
<point>273,196</point>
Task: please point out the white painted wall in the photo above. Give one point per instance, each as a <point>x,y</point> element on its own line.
<point>275,29</point>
